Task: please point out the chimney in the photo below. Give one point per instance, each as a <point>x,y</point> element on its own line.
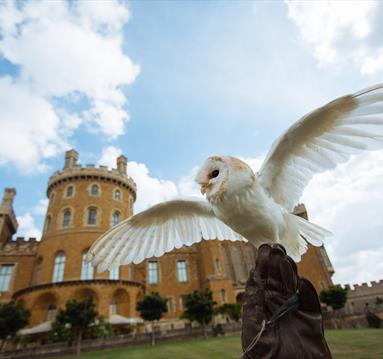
<point>122,164</point>
<point>71,158</point>
<point>9,194</point>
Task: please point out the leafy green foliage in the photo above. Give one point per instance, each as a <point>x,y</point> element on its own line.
<point>378,301</point>
<point>199,306</point>
<point>73,321</point>
<point>334,296</point>
<point>101,329</point>
<point>232,310</point>
<point>152,307</point>
<point>373,320</point>
<point>218,330</point>
<point>13,317</point>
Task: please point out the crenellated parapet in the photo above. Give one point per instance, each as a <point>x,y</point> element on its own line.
<point>20,247</point>
<point>73,171</point>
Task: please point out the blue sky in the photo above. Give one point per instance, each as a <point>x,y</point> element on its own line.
<point>170,83</point>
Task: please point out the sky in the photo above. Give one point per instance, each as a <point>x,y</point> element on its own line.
<point>169,83</point>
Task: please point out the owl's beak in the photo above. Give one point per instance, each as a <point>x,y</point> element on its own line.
<point>204,187</point>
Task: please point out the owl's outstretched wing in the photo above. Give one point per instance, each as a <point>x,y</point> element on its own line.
<point>320,141</point>
<point>158,230</point>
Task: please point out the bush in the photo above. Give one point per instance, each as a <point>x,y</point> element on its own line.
<point>373,320</point>
<point>334,296</point>
<point>218,330</point>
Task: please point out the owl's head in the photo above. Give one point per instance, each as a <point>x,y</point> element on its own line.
<point>224,175</point>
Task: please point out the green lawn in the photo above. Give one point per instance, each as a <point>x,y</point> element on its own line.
<point>350,344</point>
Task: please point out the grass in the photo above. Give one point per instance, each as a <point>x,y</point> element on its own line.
<point>347,343</point>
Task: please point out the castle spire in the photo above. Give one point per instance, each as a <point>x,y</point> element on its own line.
<point>71,158</point>
<point>122,164</point>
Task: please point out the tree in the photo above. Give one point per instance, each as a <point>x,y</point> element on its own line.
<point>13,317</point>
<point>233,310</point>
<point>199,307</point>
<point>78,316</point>
<point>378,301</point>
<point>151,308</point>
<point>334,296</point>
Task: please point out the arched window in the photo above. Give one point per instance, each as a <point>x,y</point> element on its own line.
<point>69,191</point>
<point>94,190</point>
<point>52,198</point>
<point>39,267</point>
<point>113,307</point>
<point>218,266</point>
<point>228,268</point>
<point>66,218</point>
<point>51,312</point>
<point>238,264</point>
<point>86,268</point>
<point>47,224</point>
<point>59,267</point>
<point>114,273</point>
<point>115,218</point>
<point>92,216</point>
<point>117,194</point>
<point>223,295</point>
<point>249,255</point>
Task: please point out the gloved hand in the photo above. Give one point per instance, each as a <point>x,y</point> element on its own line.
<point>282,316</point>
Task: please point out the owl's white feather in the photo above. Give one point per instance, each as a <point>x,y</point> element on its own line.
<point>258,208</point>
<point>159,230</point>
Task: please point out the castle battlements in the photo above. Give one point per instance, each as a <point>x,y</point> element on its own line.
<point>74,171</point>
<point>20,246</point>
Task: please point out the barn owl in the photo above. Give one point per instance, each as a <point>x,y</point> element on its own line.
<point>244,206</point>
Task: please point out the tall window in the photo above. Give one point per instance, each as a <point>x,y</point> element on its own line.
<point>59,267</point>
<point>69,191</point>
<point>218,266</point>
<point>51,312</point>
<point>223,295</point>
<point>113,307</point>
<point>153,272</point>
<point>114,273</point>
<point>39,267</point>
<point>92,216</point>
<point>170,304</point>
<point>229,270</point>
<point>86,268</point>
<point>117,194</point>
<point>238,264</point>
<point>115,218</point>
<point>181,271</point>
<point>94,190</point>
<point>6,271</point>
<point>66,218</point>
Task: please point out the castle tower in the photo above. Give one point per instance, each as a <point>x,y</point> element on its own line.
<point>8,222</point>
<point>84,202</point>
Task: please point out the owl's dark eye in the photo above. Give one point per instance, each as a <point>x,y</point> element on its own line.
<point>214,174</point>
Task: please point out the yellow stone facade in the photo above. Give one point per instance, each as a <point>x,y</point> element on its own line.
<point>84,202</point>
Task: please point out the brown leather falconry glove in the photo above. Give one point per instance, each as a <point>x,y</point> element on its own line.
<point>281,312</point>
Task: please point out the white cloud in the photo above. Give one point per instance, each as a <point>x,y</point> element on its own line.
<point>349,202</point>
<point>341,31</point>
<point>41,208</point>
<point>30,128</point>
<point>27,227</point>
<point>109,156</point>
<point>150,190</point>
<point>64,51</point>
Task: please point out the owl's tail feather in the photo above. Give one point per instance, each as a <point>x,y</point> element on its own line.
<point>303,232</point>
<point>312,233</point>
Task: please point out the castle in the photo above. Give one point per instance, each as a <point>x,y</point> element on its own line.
<point>84,202</point>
